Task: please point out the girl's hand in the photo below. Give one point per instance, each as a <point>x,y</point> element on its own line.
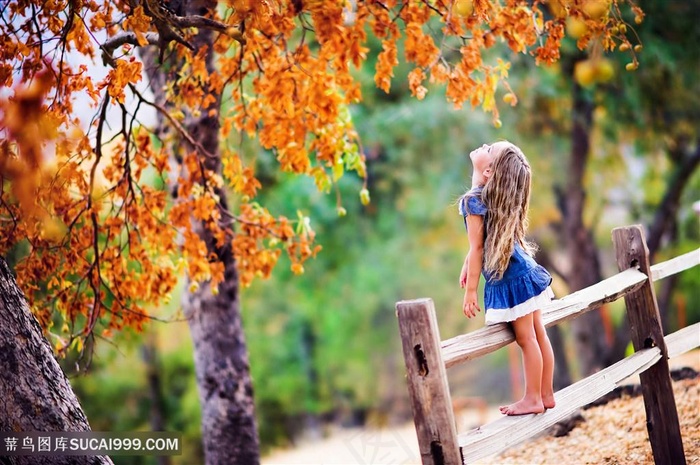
<point>463,275</point>
<point>471,304</point>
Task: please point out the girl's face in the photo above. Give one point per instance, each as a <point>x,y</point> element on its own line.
<point>481,158</point>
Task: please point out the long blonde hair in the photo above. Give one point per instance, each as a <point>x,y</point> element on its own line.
<point>507,197</point>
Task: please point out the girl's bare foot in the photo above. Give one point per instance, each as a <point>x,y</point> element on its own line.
<point>548,401</point>
<point>523,407</point>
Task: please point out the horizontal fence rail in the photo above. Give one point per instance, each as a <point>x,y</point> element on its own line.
<point>490,338</point>
<point>683,340</point>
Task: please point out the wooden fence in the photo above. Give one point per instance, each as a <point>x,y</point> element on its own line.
<point>427,359</point>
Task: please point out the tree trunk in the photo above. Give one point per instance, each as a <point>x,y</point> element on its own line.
<point>149,354</point>
<point>34,392</point>
<point>664,223</point>
<point>229,429</point>
<point>562,374</point>
<point>589,340</point>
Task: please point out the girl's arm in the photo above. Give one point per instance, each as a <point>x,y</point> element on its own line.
<point>473,262</point>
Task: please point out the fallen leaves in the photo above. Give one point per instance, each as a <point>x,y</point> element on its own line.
<point>614,433</point>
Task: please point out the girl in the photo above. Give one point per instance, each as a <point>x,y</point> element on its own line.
<point>495,214</point>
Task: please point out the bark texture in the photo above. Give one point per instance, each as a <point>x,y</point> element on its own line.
<point>581,248</point>
<point>35,394</point>
<point>229,428</point>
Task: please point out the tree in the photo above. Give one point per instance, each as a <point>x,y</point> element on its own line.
<point>33,380</point>
<point>661,102</point>
<point>103,244</point>
<point>646,102</point>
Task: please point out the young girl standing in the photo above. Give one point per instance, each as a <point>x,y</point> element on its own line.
<point>495,214</point>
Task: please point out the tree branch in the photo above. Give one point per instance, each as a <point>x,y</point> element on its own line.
<point>176,124</point>
<point>208,23</point>
<point>164,24</point>
<point>130,38</point>
<point>667,209</point>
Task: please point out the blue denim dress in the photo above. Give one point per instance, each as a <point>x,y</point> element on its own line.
<point>525,285</point>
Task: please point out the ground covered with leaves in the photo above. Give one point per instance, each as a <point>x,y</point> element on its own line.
<point>614,433</point>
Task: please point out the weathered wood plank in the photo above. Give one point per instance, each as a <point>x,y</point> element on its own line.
<point>427,383</point>
<point>490,338</point>
<point>508,431</point>
<point>589,298</point>
<point>482,341</point>
<point>675,265</point>
<point>476,343</point>
<point>646,331</point>
<point>683,340</point>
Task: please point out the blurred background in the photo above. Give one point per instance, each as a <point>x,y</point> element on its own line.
<point>324,347</point>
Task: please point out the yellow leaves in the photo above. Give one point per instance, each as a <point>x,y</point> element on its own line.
<point>204,207</point>
<point>420,48</point>
<point>549,52</point>
<point>502,68</point>
<point>242,179</point>
<point>415,81</point>
<point>254,258</point>
<point>517,27</point>
<point>53,230</point>
<point>386,61</point>
<point>138,22</point>
<point>80,38</point>
<point>66,239</point>
<point>260,239</point>
<point>439,73</point>
<point>99,20</point>
<point>321,179</point>
<point>126,72</point>
<point>488,91</point>
<point>297,268</point>
<point>27,121</point>
<point>28,126</point>
<point>199,72</point>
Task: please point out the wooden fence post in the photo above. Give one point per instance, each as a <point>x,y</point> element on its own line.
<point>646,331</point>
<point>427,383</point>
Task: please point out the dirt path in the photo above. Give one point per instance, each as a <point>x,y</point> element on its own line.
<point>355,446</point>
<point>612,434</point>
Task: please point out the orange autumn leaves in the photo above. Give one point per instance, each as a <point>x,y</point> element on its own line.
<point>124,73</point>
<point>434,30</point>
<point>97,245</point>
<point>102,244</point>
